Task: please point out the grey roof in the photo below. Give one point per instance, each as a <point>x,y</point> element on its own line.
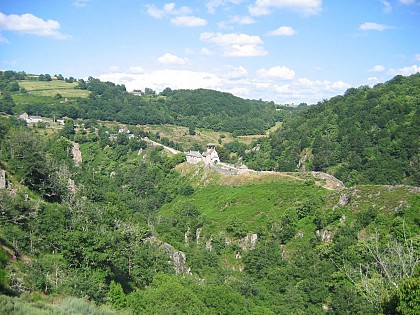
<point>194,154</point>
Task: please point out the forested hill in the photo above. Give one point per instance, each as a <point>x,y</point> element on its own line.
<point>107,101</point>
<point>368,135</point>
<point>220,111</point>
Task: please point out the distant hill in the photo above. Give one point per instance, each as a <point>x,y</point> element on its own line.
<point>368,135</point>
<point>92,99</point>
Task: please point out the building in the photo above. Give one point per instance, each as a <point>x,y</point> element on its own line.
<point>209,157</point>
<point>30,119</point>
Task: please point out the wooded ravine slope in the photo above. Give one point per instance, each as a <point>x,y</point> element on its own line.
<point>132,229</point>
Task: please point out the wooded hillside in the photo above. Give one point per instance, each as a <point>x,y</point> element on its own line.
<point>368,135</point>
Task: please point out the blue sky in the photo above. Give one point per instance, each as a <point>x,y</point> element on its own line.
<point>286,51</point>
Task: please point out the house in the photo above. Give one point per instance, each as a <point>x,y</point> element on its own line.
<point>30,119</point>
<point>194,157</point>
<point>209,157</point>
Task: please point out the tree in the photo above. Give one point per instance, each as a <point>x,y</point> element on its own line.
<point>380,280</point>
<point>6,103</point>
<point>116,295</point>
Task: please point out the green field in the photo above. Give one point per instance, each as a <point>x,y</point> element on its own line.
<point>252,200</point>
<point>51,88</point>
<point>180,135</point>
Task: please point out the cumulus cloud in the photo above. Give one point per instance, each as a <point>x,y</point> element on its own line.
<point>235,73</point>
<point>283,31</point>
<point>377,68</point>
<point>236,20</point>
<point>189,21</point>
<point>206,52</point>
<point>167,10</point>
<point>305,7</point>
<point>136,69</point>
<point>309,91</point>
<point>371,26</point>
<point>278,72</point>
<point>405,70</point>
<point>172,59</point>
<point>236,45</point>
<point>30,24</point>
<point>244,51</point>
<point>230,39</point>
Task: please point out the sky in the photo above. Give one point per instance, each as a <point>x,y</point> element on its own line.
<point>286,51</point>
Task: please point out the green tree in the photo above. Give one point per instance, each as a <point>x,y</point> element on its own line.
<point>116,295</point>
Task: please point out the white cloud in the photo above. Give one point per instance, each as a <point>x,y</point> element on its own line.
<point>168,9</point>
<point>370,26</point>
<point>377,68</point>
<point>244,51</point>
<point>30,24</point>
<point>235,73</point>
<point>236,45</point>
<point>236,20</point>
<point>136,69</point>
<point>172,59</point>
<point>283,31</point>
<point>230,39</point>
<point>306,90</point>
<point>189,21</point>
<point>206,52</point>
<point>114,68</point>
<point>405,70</point>
<point>373,80</point>
<point>417,57</point>
<point>278,72</point>
<point>305,7</point>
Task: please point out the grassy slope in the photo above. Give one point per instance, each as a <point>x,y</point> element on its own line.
<point>51,88</point>
<point>255,200</point>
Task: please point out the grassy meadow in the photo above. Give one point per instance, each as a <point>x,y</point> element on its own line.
<point>51,88</point>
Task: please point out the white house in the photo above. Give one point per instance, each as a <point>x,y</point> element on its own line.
<point>209,157</point>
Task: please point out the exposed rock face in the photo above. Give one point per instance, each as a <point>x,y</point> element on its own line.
<point>344,200</point>
<point>208,245</point>
<point>180,263</point>
<point>77,155</point>
<point>197,235</point>
<point>187,235</point>
<point>330,181</point>
<point>2,179</point>
<point>325,235</point>
<point>249,241</point>
<point>178,258</point>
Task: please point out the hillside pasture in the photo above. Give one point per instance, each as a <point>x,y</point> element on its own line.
<point>180,134</point>
<point>51,88</point>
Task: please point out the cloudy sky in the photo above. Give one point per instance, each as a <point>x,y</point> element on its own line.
<point>286,51</point>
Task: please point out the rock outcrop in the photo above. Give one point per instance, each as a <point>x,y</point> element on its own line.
<point>2,179</point>
<point>178,258</point>
<point>77,154</point>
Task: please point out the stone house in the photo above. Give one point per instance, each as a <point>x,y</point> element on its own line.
<point>208,157</point>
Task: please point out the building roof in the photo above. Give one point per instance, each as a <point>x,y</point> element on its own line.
<point>194,154</point>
